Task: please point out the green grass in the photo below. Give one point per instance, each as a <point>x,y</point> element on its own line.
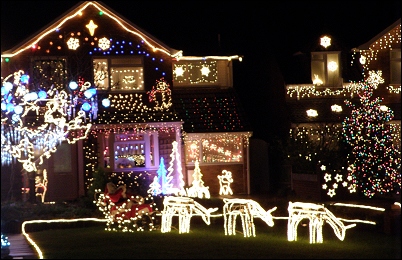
<point>209,242</point>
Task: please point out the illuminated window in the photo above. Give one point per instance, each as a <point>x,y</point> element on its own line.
<point>101,74</point>
<point>215,149</point>
<point>49,72</point>
<point>130,151</point>
<point>119,73</point>
<point>192,150</point>
<point>325,68</point>
<point>196,72</point>
<point>395,57</point>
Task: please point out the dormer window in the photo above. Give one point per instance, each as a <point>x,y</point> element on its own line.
<point>325,69</point>
<point>119,74</point>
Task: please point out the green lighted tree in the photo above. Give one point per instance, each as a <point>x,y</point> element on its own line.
<point>375,161</point>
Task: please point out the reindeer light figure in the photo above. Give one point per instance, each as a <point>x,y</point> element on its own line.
<point>184,208</point>
<point>247,209</point>
<point>316,214</point>
<point>224,182</point>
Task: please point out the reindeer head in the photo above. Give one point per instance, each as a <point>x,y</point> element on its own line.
<point>268,217</point>
<point>338,226</point>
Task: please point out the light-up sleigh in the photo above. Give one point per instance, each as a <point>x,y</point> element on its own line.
<point>135,213</point>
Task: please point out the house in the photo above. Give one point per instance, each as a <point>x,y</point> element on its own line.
<point>316,96</point>
<point>146,101</point>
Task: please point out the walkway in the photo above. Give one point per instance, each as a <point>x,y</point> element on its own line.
<point>20,247</point>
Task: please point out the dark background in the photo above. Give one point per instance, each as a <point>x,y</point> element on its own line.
<point>267,34</point>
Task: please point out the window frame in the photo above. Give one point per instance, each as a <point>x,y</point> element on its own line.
<point>200,153</point>
<point>118,62</point>
<point>329,78</point>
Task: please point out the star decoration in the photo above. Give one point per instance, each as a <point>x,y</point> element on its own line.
<point>352,188</point>
<point>323,167</point>
<point>350,178</point>
<point>324,186</point>
<point>335,185</point>
<point>73,43</point>
<point>179,71</point>
<point>325,41</point>
<point>338,178</point>
<point>375,78</point>
<point>104,43</point>
<point>205,71</point>
<point>331,192</point>
<point>327,177</point>
<point>344,184</point>
<point>91,27</point>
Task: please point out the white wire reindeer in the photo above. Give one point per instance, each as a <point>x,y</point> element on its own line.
<point>247,209</point>
<point>184,208</point>
<point>316,214</point>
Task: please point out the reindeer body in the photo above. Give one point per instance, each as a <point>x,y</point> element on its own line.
<point>247,210</point>
<point>184,208</point>
<point>316,214</point>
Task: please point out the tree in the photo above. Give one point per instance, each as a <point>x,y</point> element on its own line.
<point>34,122</point>
<point>155,187</point>
<point>37,117</point>
<point>197,188</point>
<point>175,175</point>
<point>375,161</point>
<point>163,180</point>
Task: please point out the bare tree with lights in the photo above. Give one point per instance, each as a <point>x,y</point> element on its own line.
<point>36,119</point>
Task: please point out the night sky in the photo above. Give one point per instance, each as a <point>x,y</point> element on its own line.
<point>265,33</point>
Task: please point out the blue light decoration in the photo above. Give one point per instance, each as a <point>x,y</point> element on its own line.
<point>5,247</point>
<point>8,86</point>
<point>73,85</point>
<point>123,47</point>
<point>86,106</point>
<point>31,96</point>
<point>4,91</point>
<point>42,94</point>
<point>10,107</point>
<point>90,93</point>
<point>24,79</point>
<point>18,109</point>
<point>106,102</point>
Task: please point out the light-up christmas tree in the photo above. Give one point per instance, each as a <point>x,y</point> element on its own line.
<point>175,174</point>
<point>163,179</point>
<point>197,176</point>
<point>197,188</point>
<point>155,187</point>
<point>375,161</point>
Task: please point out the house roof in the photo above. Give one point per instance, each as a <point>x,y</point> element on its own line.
<point>210,110</point>
<point>393,26</point>
<point>134,108</point>
<point>107,11</point>
<point>202,110</point>
<point>298,110</point>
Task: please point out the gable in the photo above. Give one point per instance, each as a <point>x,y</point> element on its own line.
<point>102,17</point>
<point>385,35</point>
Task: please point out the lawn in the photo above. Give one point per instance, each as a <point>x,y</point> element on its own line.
<point>209,242</point>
